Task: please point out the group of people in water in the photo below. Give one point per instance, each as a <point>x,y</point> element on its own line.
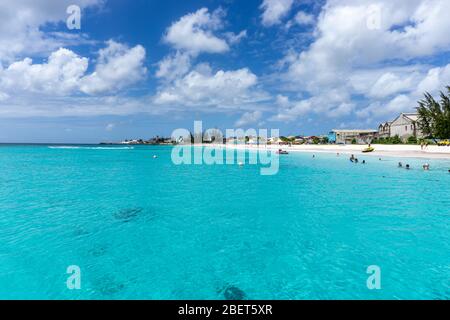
<point>353,159</point>
<point>425,167</point>
<point>356,160</point>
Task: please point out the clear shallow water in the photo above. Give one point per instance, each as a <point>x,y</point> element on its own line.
<point>140,227</point>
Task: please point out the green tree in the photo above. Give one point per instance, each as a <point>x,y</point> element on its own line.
<point>396,140</point>
<point>434,116</point>
<point>412,140</point>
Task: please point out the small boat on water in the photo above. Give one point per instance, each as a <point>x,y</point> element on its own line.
<point>282,152</point>
<point>367,150</point>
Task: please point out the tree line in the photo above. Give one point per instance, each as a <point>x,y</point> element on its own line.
<point>434,116</point>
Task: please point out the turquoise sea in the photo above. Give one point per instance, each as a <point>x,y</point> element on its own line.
<point>144,228</point>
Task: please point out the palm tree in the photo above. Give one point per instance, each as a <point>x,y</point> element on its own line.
<point>434,116</point>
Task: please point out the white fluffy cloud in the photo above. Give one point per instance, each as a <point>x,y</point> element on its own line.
<point>59,75</point>
<point>118,67</point>
<point>274,11</point>
<point>203,88</point>
<point>389,84</point>
<point>331,104</point>
<point>194,32</point>
<point>434,80</point>
<point>174,66</point>
<point>248,118</point>
<point>349,33</point>
<point>365,48</point>
<point>303,18</point>
<point>20,24</point>
<point>186,84</point>
<point>290,112</point>
<point>235,38</point>
<point>64,73</point>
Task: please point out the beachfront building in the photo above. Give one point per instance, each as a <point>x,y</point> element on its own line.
<point>384,130</point>
<point>405,126</point>
<point>299,140</point>
<point>356,135</point>
<point>274,140</point>
<point>331,137</point>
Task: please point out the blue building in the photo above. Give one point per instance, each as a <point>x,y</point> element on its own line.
<point>332,137</point>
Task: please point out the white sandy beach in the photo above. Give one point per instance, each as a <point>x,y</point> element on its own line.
<point>382,150</point>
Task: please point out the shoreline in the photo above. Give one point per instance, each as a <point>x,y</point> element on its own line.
<point>381,150</point>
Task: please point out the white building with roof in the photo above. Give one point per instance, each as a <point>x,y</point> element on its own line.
<point>384,130</point>
<point>405,126</point>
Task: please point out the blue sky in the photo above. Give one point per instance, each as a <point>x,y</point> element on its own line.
<point>143,68</point>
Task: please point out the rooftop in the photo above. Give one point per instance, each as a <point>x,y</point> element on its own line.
<point>412,116</point>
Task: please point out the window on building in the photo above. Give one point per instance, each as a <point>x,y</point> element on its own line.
<point>406,128</point>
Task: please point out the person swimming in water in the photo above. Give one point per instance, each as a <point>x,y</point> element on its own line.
<point>426,167</point>
<point>364,162</point>
<point>400,165</point>
<point>407,167</point>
